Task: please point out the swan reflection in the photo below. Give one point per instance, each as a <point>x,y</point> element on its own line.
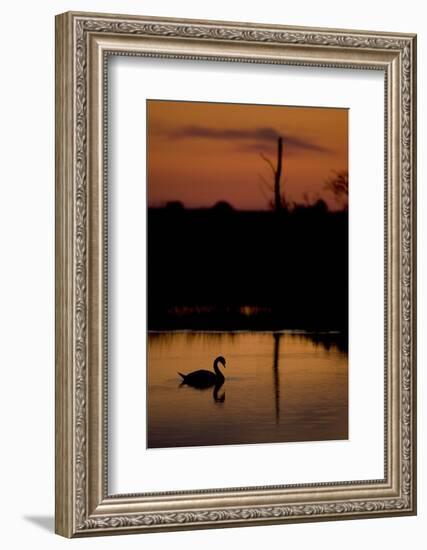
<point>218,398</point>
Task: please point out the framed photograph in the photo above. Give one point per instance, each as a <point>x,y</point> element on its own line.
<point>235,274</point>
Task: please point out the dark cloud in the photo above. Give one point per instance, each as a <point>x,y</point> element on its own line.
<point>253,139</point>
<point>291,144</point>
<point>226,133</point>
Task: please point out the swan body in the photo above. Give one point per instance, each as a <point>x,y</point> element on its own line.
<point>205,378</point>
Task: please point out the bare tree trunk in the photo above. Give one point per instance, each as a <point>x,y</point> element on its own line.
<point>279,200</point>
<point>277,176</point>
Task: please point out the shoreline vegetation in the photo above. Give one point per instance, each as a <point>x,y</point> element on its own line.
<point>327,340</point>
<point>262,270</point>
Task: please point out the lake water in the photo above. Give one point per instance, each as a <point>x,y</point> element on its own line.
<point>279,387</point>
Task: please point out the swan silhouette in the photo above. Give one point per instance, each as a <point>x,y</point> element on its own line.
<point>205,378</point>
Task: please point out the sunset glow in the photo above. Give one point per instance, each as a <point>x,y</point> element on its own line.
<point>203,153</point>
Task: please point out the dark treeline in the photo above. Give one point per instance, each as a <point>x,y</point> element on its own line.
<point>223,269</point>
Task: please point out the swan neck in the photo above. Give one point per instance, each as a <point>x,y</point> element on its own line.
<point>216,369</point>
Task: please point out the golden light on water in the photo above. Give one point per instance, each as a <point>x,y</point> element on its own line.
<point>278,388</point>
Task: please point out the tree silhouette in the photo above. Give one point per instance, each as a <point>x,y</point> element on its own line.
<point>338,185</point>
<point>278,201</point>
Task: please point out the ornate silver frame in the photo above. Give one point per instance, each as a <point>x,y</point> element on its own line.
<point>83,505</point>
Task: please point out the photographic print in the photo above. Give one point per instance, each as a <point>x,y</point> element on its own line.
<point>247,273</point>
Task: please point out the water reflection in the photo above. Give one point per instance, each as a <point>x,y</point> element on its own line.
<point>218,398</point>
<point>280,387</point>
<point>276,337</point>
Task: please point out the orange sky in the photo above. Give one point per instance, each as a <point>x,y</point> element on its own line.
<point>201,153</point>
